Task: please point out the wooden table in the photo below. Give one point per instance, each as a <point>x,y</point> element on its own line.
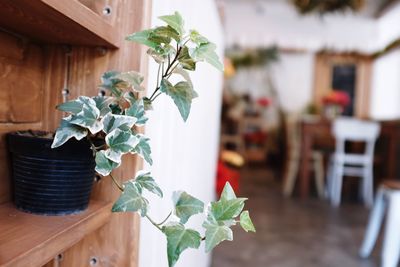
<point>313,129</point>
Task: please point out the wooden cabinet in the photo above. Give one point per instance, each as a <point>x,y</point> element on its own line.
<point>45,46</point>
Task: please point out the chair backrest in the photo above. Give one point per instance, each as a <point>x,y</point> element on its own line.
<point>356,130</point>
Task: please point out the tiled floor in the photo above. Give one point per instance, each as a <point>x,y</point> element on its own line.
<point>292,233</point>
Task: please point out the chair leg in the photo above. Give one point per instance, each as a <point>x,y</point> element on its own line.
<point>391,241</point>
<point>337,184</point>
<point>374,224</point>
<point>319,174</point>
<point>330,177</point>
<point>290,178</point>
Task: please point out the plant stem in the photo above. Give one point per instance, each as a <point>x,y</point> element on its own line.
<point>164,221</point>
<point>120,187</point>
<point>156,96</point>
<point>153,222</point>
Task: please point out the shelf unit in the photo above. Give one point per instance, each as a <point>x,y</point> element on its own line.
<point>58,22</point>
<point>33,240</point>
<point>36,67</point>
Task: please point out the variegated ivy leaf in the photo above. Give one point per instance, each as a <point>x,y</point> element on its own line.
<point>175,21</point>
<point>197,38</point>
<point>104,166</point>
<point>131,199</point>
<point>166,32</point>
<point>161,53</point>
<point>186,61</point>
<point>178,240</point>
<point>186,205</point>
<point>137,110</point>
<point>109,81</point>
<point>142,38</point>
<point>215,234</point>
<point>145,180</point>
<point>122,122</point>
<point>147,104</point>
<point>66,131</point>
<point>119,143</point>
<point>143,148</point>
<point>89,116</point>
<point>227,209</point>
<point>207,52</point>
<point>182,93</point>
<point>73,106</point>
<point>133,79</point>
<point>246,222</point>
<point>227,192</point>
<point>180,71</point>
<point>103,104</point>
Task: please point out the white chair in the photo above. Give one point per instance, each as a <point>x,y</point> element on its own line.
<point>387,197</point>
<point>293,137</point>
<point>361,165</point>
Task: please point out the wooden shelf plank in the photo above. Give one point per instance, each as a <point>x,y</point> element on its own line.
<point>33,240</point>
<point>60,22</point>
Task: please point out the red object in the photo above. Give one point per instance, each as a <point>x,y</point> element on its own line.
<point>337,97</point>
<point>226,174</point>
<point>264,102</point>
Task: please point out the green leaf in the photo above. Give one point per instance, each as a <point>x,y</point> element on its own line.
<point>227,209</point>
<point>89,116</point>
<point>227,192</point>
<point>142,38</point>
<point>143,148</point>
<point>180,71</point>
<point>137,110</point>
<point>215,234</point>
<point>175,21</point>
<point>133,79</point>
<point>160,54</point>
<point>104,166</point>
<point>66,131</point>
<point>197,38</point>
<point>131,199</point>
<point>166,32</point>
<point>119,143</point>
<point>109,81</point>
<point>186,205</point>
<point>178,240</point>
<point>103,104</point>
<point>246,222</point>
<point>186,61</point>
<point>147,103</point>
<point>122,122</point>
<point>207,52</point>
<point>182,93</point>
<point>145,180</point>
<point>74,106</point>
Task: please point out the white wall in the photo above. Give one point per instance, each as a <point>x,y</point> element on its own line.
<point>385,89</point>
<point>293,77</point>
<point>184,154</point>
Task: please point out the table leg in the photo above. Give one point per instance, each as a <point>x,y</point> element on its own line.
<point>306,146</point>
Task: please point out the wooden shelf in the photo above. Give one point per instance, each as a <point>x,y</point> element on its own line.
<point>60,22</point>
<point>33,240</point>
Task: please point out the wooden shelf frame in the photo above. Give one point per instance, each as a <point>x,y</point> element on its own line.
<point>58,22</point>
<point>33,240</point>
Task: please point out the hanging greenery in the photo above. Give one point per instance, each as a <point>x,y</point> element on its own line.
<point>327,6</point>
<point>252,57</point>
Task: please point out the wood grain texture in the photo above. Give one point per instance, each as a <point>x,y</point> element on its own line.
<point>61,22</point>
<point>32,240</point>
<point>115,244</point>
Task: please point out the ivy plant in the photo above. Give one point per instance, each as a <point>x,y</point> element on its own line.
<point>114,119</point>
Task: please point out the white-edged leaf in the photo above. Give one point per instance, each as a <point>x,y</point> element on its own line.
<point>178,240</point>
<point>103,104</point>
<point>133,78</point>
<point>228,193</point>
<point>207,52</point>
<point>104,166</point>
<point>227,209</point>
<point>73,106</point>
<point>89,116</point>
<point>215,234</point>
<point>197,38</point>
<point>186,205</point>
<point>131,199</point>
<point>142,37</point>
<point>137,110</point>
<point>145,180</point>
<point>246,222</point>
<point>122,122</point>
<point>66,131</point>
<point>119,143</point>
<point>143,148</point>
<point>175,21</point>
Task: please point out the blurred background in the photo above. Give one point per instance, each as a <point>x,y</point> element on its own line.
<point>304,122</point>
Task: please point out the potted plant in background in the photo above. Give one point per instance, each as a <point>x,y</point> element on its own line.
<point>107,127</point>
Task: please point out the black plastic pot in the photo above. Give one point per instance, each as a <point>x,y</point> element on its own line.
<point>50,181</point>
